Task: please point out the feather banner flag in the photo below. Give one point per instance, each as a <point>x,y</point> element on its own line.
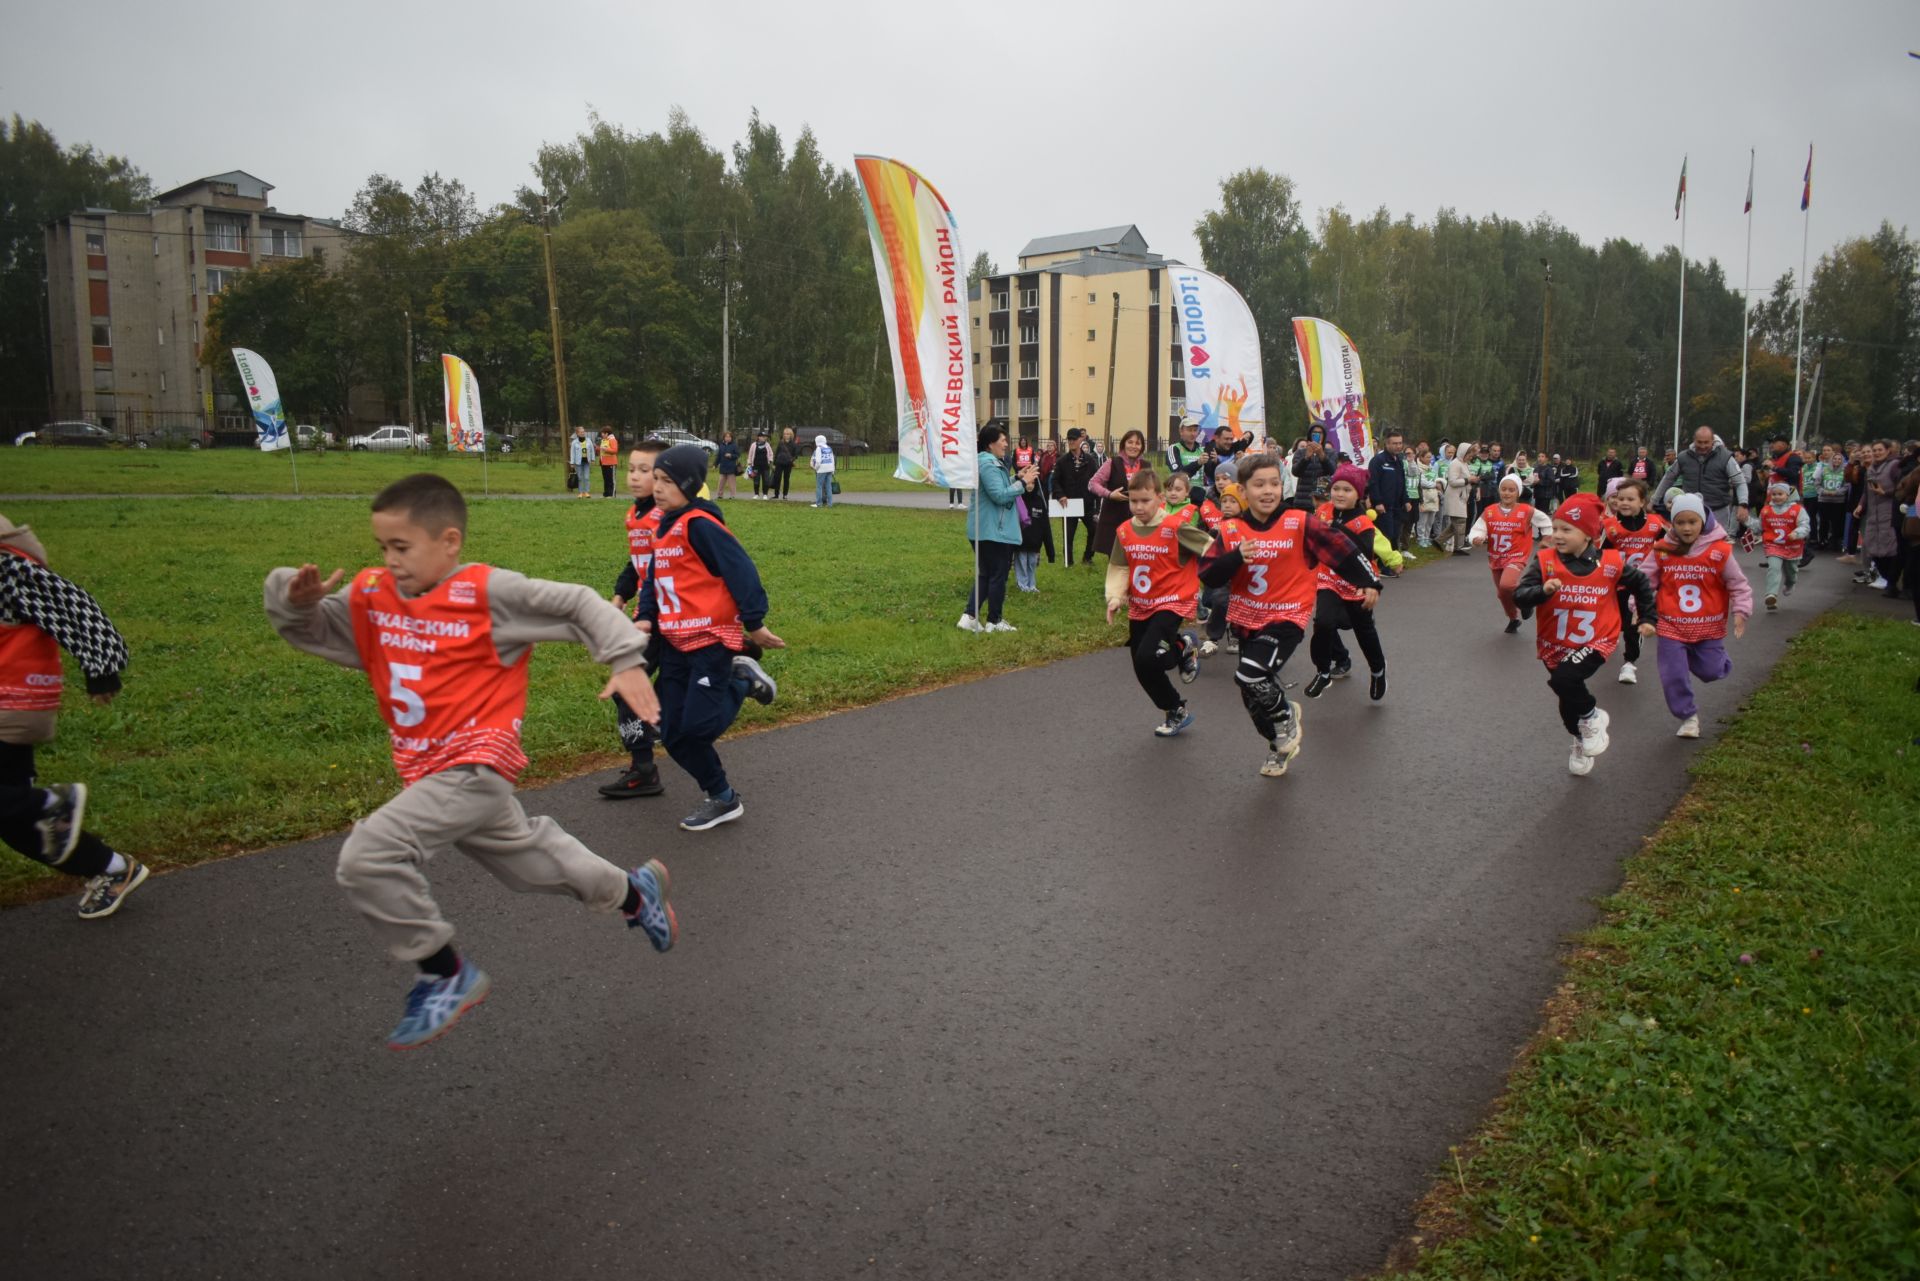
<point>1335,390</point>
<point>1749,205</point>
<point>466,429</point>
<point>263,398</point>
<point>1680,196</point>
<point>1806,183</point>
<point>923,296</point>
<point>1221,345</point>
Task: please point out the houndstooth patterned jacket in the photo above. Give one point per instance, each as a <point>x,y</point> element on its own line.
<point>32,593</point>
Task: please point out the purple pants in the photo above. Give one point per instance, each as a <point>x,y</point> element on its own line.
<point>1705,659</point>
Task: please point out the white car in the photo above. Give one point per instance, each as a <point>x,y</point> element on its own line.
<point>388,438</point>
<point>306,434</point>
<point>680,436</point>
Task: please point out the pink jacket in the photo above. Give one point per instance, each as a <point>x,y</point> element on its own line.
<point>1739,590</point>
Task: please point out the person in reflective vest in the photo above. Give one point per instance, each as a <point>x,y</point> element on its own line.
<point>642,776</point>
<point>1154,576</point>
<point>1699,584</point>
<point>1339,605</point>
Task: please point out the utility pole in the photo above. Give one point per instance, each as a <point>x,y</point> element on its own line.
<point>1113,355</point>
<point>547,211</point>
<point>1546,334</point>
<point>413,417</point>
<point>726,346</point>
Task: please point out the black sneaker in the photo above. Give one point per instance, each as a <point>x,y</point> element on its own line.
<point>1189,658</point>
<point>760,686</point>
<point>1377,685</point>
<point>59,824</point>
<point>637,780</point>
<point>1342,670</point>
<point>1318,685</point>
<point>105,893</point>
<point>1513,625</point>
<point>712,813</point>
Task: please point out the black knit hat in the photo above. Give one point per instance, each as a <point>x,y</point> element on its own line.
<point>685,466</point>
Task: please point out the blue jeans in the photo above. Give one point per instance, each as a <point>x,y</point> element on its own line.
<point>584,470</point>
<point>823,489</point>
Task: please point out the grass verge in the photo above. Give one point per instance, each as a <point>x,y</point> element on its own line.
<point>1727,1082</point>
<point>226,739</point>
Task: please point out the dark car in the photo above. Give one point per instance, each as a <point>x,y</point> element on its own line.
<point>181,437</point>
<point>66,433</point>
<point>837,440</point>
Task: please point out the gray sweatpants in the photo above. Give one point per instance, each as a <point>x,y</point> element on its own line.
<point>471,809</point>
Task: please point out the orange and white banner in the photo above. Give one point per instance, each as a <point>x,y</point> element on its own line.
<point>466,430</point>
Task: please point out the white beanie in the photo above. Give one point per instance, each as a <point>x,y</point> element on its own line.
<point>1688,503</point>
<point>1511,476</point>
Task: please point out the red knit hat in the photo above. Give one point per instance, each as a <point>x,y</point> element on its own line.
<point>1584,512</point>
<point>1354,476</point>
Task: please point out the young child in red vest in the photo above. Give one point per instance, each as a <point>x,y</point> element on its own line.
<point>1632,530</point>
<point>445,645</point>
<point>1267,556</point>
<point>703,596</point>
<point>1509,529</point>
<point>1572,587</point>
<point>41,614</point>
<point>1783,539</point>
<point>1338,604</point>
<point>1154,575</point>
<point>642,776</point>
<point>1700,583</point>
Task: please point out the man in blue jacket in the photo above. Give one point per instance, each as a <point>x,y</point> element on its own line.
<point>1387,487</point>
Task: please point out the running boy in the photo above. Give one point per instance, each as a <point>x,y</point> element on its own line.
<point>41,614</point>
<point>445,645</point>
<point>1338,604</point>
<point>703,595</point>
<point>1267,556</point>
<point>1699,582</point>
<point>1214,599</point>
<point>1632,531</point>
<point>1783,540</point>
<point>1572,585</point>
<point>642,776</point>
<point>1154,575</point>
<point>1509,528</point>
<point>1180,505</point>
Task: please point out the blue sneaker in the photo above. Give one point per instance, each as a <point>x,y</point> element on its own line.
<point>1189,658</point>
<point>655,915</point>
<point>435,1004</point>
<point>1177,719</point>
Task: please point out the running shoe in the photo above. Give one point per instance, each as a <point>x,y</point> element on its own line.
<point>760,686</point>
<point>635,781</point>
<point>1208,649</point>
<point>1579,763</point>
<point>1318,685</point>
<point>1628,674</point>
<point>1233,644</point>
<point>436,1004</point>
<point>105,893</point>
<point>1513,625</point>
<point>1343,670</point>
<point>1773,602</point>
<point>1002,626</point>
<point>1177,719</point>
<point>1377,685</point>
<point>1689,728</point>
<point>655,913</point>
<point>59,823</point>
<point>1285,744</point>
<point>1189,658</point>
<point>1593,731</point>
<point>713,812</point>
<point>968,623</point>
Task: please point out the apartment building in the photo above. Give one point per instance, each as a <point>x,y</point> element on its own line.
<point>127,295</point>
<point>1082,335</point>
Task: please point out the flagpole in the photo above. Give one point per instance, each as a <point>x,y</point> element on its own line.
<point>1680,337</point>
<point>1746,305</point>
<point>293,441</point>
<point>1800,341</point>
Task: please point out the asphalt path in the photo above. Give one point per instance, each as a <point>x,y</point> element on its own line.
<point>989,981</point>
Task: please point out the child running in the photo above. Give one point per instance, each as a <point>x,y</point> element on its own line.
<point>1180,506</point>
<point>704,596</point>
<point>1509,528</point>
<point>445,645</point>
<point>1783,540</point>
<point>642,776</point>
<point>41,614</point>
<point>1632,531</point>
<point>1338,604</point>
<point>1572,585</point>
<point>1699,582</point>
<point>1233,501</point>
<point>1154,575</point>
<point>1267,556</point>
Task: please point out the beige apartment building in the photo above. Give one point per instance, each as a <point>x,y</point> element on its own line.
<point>127,296</point>
<point>1084,313</point>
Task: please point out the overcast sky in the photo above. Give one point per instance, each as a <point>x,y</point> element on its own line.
<point>1044,117</point>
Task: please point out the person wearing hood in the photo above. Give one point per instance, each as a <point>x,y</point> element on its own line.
<point>1699,583</point>
<point>1339,605</point>
<point>822,462</point>
<point>1783,538</point>
<point>1571,585</point>
<point>41,614</point>
<point>703,596</point>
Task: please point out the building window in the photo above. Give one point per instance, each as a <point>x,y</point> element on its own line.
<point>284,242</point>
<point>976,357</point>
<point>219,280</point>
<point>102,332</point>
<point>1092,298</point>
<point>156,246</point>
<point>1029,297</point>
<point>999,406</point>
<point>160,337</point>
<point>1089,371</point>
<point>103,380</point>
<point>1153,295</point>
<point>96,242</point>
<point>1089,403</point>
<point>1029,406</point>
<point>1029,369</point>
<point>999,373</point>
<point>196,332</point>
<point>163,382</point>
<point>976,322</point>
<point>1089,335</point>
<point>1000,302</point>
<point>1029,333</point>
<point>225,234</point>
<point>998,338</point>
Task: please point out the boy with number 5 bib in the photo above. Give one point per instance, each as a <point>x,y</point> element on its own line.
<point>445,645</point>
<point>1572,585</point>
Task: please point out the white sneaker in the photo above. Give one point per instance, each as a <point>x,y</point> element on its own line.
<point>1208,649</point>
<point>1878,584</point>
<point>1408,556</point>
<point>1579,763</point>
<point>1689,728</point>
<point>1627,675</point>
<point>1002,626</point>
<point>968,623</point>
<point>1593,732</point>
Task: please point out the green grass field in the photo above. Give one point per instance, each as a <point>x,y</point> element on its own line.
<point>226,739</point>
<point>1729,1084</point>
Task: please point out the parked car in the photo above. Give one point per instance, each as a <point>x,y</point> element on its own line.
<point>305,435</point>
<point>183,436</point>
<point>839,441</point>
<point>390,438</point>
<point>66,433</point>
<point>681,436</point>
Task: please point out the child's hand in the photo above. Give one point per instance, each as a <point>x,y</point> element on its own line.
<point>1369,598</point>
<point>1648,629</point>
<point>1739,626</point>
<point>765,639</point>
<point>307,589</point>
<point>1476,539</point>
<point>1551,586</point>
<point>1113,607</point>
<point>636,690</point>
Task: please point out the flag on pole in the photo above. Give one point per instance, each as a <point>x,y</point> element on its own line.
<point>1220,343</point>
<point>263,398</point>
<point>1806,184</point>
<point>466,431</point>
<point>1749,208</point>
<point>1680,196</point>
<point>1335,390</point>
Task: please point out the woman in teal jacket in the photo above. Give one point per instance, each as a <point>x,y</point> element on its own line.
<point>993,527</point>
